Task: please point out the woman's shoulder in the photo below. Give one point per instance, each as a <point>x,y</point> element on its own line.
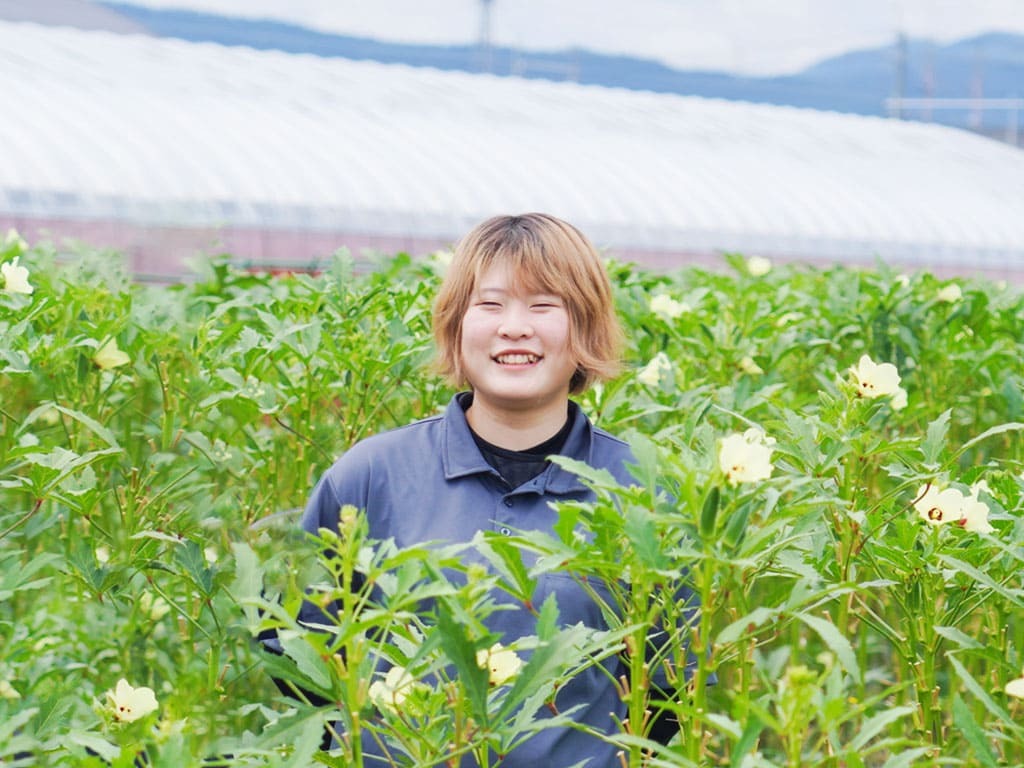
<point>411,437</point>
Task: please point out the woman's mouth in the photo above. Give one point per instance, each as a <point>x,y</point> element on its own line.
<point>517,358</point>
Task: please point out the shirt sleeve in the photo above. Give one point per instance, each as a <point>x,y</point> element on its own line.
<point>346,482</point>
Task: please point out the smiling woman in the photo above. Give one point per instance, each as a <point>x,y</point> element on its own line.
<point>524,318</point>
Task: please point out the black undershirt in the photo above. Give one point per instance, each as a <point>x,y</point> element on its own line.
<point>518,467</point>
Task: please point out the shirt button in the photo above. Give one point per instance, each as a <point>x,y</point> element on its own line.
<point>508,502</point>
<point>506,532</point>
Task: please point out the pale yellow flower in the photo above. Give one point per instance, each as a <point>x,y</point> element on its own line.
<point>153,606</point>
<point>902,280</point>
<point>749,366</point>
<point>102,554</point>
<point>949,293</point>
<point>746,458</point>
<point>393,690</point>
<point>667,307</point>
<point>758,266</point>
<point>50,417</point>
<point>130,704</point>
<point>15,277</point>
<point>975,511</point>
<point>938,507</point>
<point>1016,687</point>
<point>8,691</point>
<point>13,238</point>
<point>502,663</point>
<point>109,356</point>
<point>875,379</point>
<point>899,399</point>
<point>651,373</point>
<point>980,486</point>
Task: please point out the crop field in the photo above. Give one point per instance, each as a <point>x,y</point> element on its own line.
<point>831,459</point>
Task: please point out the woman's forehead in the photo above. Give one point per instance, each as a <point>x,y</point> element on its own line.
<point>508,279</point>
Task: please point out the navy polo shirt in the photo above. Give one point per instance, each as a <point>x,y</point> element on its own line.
<point>428,482</point>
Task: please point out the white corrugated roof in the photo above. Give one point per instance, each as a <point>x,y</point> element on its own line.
<point>153,130</point>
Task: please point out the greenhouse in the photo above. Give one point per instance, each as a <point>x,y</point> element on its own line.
<point>161,148</point>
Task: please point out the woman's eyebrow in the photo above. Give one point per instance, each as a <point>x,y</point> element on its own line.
<point>491,289</point>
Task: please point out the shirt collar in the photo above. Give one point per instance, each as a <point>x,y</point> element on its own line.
<point>461,457</point>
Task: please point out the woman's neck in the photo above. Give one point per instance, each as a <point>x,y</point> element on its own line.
<point>516,430</point>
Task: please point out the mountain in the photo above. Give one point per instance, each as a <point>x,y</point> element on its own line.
<point>858,81</point>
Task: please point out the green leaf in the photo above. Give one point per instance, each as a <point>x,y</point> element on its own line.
<point>247,587</point>
<point>308,661</point>
<point>645,451</point>
<point>935,440</point>
<point>96,743</point>
<point>960,638</point>
<point>709,513</point>
<point>1013,595</point>
<point>874,725</point>
<point>964,721</point>
<point>980,693</point>
<point>835,640</point>
<point>640,529</point>
<point>54,715</point>
<point>598,478</point>
<point>747,741</point>
<point>997,430</point>
<point>507,559</point>
<point>906,758</point>
<point>756,618</point>
<point>461,651</point>
<point>94,426</point>
<point>193,560</point>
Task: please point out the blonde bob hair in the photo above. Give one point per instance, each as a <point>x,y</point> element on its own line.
<point>544,255</point>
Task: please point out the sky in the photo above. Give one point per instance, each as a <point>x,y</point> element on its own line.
<point>756,37</point>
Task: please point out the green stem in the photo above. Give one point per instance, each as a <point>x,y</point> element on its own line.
<point>699,647</point>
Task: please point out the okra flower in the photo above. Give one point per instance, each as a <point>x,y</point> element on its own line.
<point>746,458</point>
<point>938,507</point>
<point>1015,688</point>
<point>651,373</point>
<point>899,399</point>
<point>975,511</point>
<point>109,356</point>
<point>502,663</point>
<point>876,379</point>
<point>667,307</point>
<point>8,691</point>
<point>153,607</point>
<point>950,293</point>
<point>748,366</point>
<point>15,277</point>
<point>130,704</point>
<point>758,266</point>
<point>393,690</point>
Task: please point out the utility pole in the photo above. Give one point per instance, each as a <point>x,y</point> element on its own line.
<point>900,75</point>
<point>976,119</point>
<point>484,42</point>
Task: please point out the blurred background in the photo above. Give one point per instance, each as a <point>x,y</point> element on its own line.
<point>671,131</point>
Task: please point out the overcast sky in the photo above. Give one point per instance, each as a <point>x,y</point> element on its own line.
<point>749,36</point>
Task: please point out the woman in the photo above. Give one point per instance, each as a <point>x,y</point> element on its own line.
<point>524,319</point>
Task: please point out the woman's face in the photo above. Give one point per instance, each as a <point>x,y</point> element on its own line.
<point>515,345</point>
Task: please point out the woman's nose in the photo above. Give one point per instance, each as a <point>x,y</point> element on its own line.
<point>515,324</point>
